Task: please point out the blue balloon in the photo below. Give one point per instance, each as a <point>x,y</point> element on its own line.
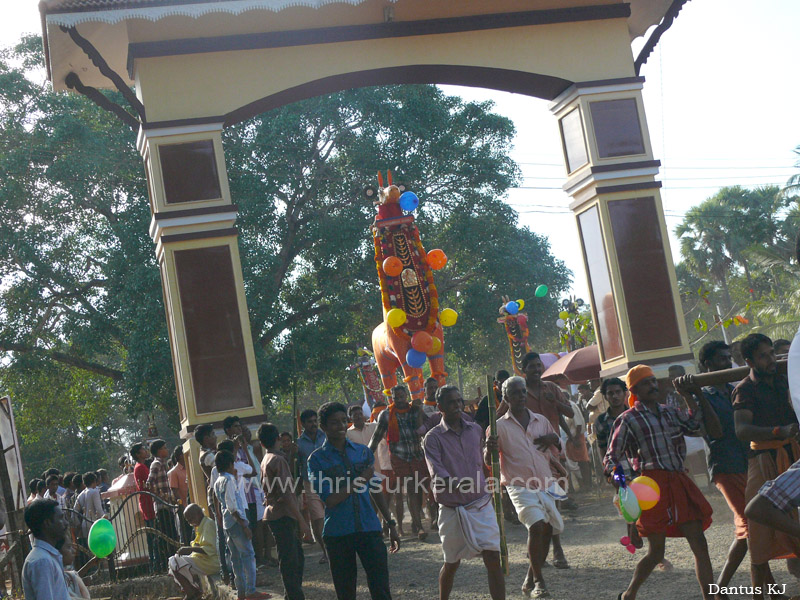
<point>409,201</point>
<point>415,358</point>
<point>512,308</point>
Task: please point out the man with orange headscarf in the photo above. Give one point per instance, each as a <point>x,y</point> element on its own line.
<point>650,436</point>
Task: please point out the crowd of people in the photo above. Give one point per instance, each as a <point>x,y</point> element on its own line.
<point>345,483</point>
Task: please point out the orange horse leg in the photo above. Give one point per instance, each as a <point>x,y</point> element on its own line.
<point>384,357</point>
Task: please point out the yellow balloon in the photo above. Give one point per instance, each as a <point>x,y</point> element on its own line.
<point>647,491</point>
<point>396,317</point>
<point>563,315</point>
<point>521,304</point>
<point>436,348</point>
<point>448,317</point>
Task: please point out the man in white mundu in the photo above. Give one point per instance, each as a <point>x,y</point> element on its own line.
<point>527,445</point>
<point>467,521</point>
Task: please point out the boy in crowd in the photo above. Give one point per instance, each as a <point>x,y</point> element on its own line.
<point>205,436</point>
<point>237,528</point>
<point>283,514</point>
<point>158,484</point>
<point>311,439</point>
<point>141,472</point>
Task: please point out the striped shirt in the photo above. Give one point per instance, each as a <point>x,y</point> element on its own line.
<point>651,439</point>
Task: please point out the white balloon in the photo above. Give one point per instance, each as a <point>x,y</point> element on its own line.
<point>560,323</point>
<point>793,370</point>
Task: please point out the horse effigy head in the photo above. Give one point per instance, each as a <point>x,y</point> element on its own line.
<point>392,200</point>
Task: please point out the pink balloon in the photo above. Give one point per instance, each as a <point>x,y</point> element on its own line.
<point>625,540</point>
<point>631,548</point>
<point>648,497</point>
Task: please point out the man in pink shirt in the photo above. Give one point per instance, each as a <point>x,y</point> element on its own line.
<point>467,521</point>
<point>528,445</point>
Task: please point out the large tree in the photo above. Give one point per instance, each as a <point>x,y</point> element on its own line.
<point>81,302</point>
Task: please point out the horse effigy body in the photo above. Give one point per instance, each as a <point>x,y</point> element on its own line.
<point>407,290</point>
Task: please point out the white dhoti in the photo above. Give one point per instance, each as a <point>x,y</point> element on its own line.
<point>186,566</point>
<point>468,530</point>
<point>534,506</point>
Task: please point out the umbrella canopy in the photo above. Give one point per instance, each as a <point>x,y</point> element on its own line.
<point>578,366</point>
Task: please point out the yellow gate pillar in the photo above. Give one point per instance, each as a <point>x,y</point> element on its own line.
<point>616,200</point>
<point>192,226</point>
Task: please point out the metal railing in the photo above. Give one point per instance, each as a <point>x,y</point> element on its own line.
<point>143,545</point>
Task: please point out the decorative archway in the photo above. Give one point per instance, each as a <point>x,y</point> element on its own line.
<point>200,65</point>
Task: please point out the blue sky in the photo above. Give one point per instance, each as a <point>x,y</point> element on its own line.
<point>721,98</point>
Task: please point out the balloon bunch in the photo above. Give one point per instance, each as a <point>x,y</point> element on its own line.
<point>643,493</point>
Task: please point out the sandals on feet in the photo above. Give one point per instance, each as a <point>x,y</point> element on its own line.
<point>560,563</point>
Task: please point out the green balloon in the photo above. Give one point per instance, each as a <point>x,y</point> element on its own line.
<point>541,291</point>
<point>629,505</point>
<point>102,538</point>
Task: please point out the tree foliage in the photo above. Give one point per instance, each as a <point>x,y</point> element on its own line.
<point>736,251</point>
<point>81,315</point>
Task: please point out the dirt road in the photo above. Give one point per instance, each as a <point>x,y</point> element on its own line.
<point>600,566</point>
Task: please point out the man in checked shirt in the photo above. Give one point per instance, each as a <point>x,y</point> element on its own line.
<point>650,436</point>
<point>399,424</point>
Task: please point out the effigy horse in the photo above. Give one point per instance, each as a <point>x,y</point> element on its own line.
<point>516,324</point>
<point>370,381</point>
<point>411,331</point>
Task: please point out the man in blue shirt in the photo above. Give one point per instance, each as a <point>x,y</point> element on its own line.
<point>727,461</point>
<point>342,473</point>
<point>43,571</point>
<point>311,439</point>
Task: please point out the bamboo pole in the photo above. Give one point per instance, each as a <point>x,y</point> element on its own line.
<point>730,375</point>
<point>497,494</point>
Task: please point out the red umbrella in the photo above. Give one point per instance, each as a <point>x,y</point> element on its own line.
<point>578,366</point>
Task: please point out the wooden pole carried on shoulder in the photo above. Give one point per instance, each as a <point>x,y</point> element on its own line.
<point>497,494</point>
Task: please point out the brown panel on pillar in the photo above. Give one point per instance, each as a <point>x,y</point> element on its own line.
<point>594,255</point>
<point>189,171</point>
<point>616,128</point>
<point>645,278</point>
<point>213,329</point>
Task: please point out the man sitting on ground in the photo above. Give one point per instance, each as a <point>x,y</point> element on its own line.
<point>190,563</point>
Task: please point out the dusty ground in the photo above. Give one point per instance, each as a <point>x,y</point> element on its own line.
<point>600,566</point>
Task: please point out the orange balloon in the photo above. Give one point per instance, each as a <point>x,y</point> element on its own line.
<point>422,341</point>
<point>436,346</point>
<point>437,259</point>
<point>392,266</point>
